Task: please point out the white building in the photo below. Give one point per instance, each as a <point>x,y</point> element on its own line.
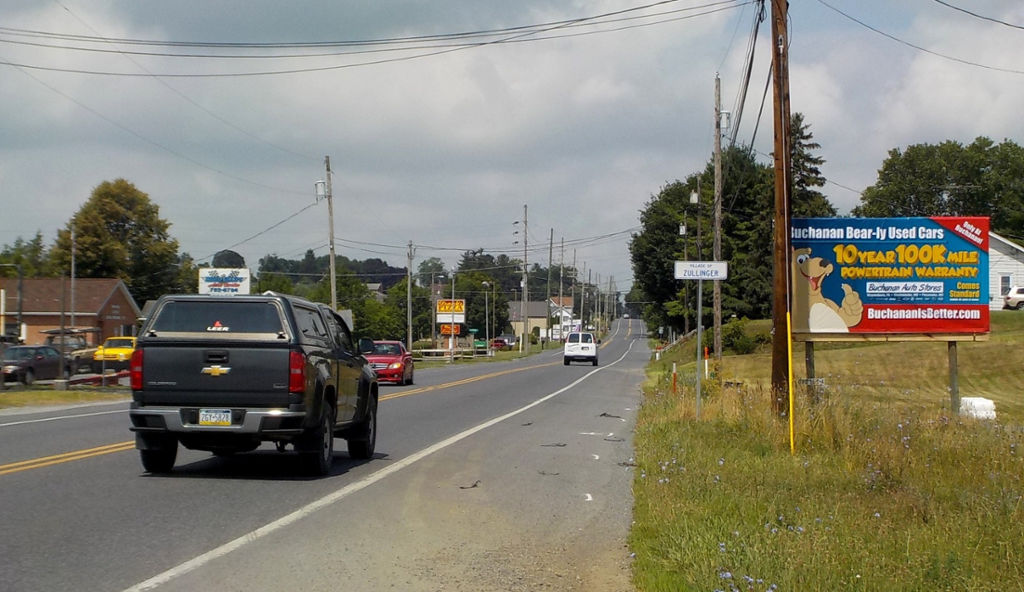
<point>1005,268</point>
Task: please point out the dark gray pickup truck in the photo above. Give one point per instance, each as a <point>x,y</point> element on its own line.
<point>224,374</point>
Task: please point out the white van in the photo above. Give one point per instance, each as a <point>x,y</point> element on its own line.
<point>580,347</point>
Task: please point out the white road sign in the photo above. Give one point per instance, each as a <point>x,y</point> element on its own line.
<point>702,270</point>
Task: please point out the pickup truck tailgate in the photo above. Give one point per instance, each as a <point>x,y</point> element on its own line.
<point>243,375</point>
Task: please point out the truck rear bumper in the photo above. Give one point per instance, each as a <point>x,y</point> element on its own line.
<point>185,420</point>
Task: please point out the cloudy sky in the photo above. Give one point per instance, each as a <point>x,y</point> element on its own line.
<point>442,140</point>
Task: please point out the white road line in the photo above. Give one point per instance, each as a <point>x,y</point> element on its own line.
<point>596,457</point>
<point>344,492</point>
<point>14,423</point>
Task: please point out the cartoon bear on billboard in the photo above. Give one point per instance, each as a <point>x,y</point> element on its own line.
<point>812,312</point>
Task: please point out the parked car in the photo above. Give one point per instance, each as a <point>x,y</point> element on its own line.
<point>499,343</point>
<point>74,344</point>
<point>26,363</point>
<point>510,340</point>
<point>580,347</point>
<point>392,362</point>
<point>115,353</point>
<point>1014,299</point>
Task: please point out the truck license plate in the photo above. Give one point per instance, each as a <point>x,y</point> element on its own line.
<point>214,417</point>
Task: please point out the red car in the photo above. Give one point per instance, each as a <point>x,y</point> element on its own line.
<point>391,361</point>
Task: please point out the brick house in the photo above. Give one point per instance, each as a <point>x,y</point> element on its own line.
<point>100,303</point>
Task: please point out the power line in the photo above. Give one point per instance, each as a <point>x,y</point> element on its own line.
<point>979,16</point>
<point>582,21</point>
<point>443,49</point>
<point>260,233</point>
<point>179,93</point>
<point>918,47</point>
<point>147,140</point>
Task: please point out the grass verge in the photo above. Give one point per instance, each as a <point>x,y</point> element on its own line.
<point>22,396</point>
<point>887,489</point>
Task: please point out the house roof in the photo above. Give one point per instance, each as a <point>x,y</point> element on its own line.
<point>1006,242</point>
<point>564,301</point>
<point>43,295</point>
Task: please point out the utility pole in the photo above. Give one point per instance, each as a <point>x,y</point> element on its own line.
<point>783,185</point>
<point>525,305</point>
<point>433,313</point>
<point>686,285</point>
<point>408,299</point>
<point>72,275</point>
<point>718,215</point>
<point>561,301</point>
<point>583,299</point>
<point>572,313</point>
<point>321,192</point>
<point>551,248</point>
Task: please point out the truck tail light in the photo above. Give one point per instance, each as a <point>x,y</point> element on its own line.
<point>135,370</point>
<point>296,373</point>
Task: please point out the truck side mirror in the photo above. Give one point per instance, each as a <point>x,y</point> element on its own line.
<point>365,345</point>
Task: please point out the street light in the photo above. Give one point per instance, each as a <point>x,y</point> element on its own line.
<point>487,325</point>
<point>452,325</point>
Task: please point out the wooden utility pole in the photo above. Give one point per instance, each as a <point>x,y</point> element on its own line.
<point>330,234</point>
<point>561,300</point>
<point>717,303</point>
<point>783,185</point>
<point>525,307</point>
<point>408,299</point>
<point>551,249</point>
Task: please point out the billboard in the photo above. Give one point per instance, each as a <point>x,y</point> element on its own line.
<point>223,282</point>
<point>889,276</point>
<point>451,311</point>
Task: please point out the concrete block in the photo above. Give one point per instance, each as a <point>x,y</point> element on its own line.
<point>60,385</point>
<point>978,407</point>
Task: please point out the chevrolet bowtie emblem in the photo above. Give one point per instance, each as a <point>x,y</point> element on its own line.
<point>216,370</point>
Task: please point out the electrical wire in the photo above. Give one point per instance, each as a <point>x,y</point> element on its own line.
<point>444,50</point>
<point>365,42</point>
<point>918,47</point>
<point>152,142</point>
<point>180,94</point>
<point>979,16</point>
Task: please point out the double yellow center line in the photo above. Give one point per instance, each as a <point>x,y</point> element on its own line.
<point>46,461</point>
<point>38,463</point>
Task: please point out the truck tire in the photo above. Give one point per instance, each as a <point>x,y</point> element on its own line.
<point>565,361</point>
<point>363,440</point>
<point>595,361</point>
<point>159,460</point>
<point>319,459</point>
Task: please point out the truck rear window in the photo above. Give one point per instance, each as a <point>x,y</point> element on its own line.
<point>217,317</point>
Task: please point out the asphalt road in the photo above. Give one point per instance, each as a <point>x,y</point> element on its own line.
<point>485,475</point>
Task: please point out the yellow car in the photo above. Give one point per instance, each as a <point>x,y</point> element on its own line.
<point>115,353</point>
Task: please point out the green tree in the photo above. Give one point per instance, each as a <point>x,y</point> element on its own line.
<point>397,299</point>
<point>950,179</point>
<point>229,259</point>
<point>431,266</point>
<point>187,277</point>
<point>119,234</point>
<point>32,255</point>
<point>275,282</point>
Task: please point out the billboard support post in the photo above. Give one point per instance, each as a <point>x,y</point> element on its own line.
<point>954,383</point>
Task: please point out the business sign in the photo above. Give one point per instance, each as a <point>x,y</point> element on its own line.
<point>702,270</point>
<point>223,282</point>
<point>890,275</point>
<point>451,329</point>
<point>451,311</point>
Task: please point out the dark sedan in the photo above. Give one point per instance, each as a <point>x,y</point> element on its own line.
<point>26,363</point>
